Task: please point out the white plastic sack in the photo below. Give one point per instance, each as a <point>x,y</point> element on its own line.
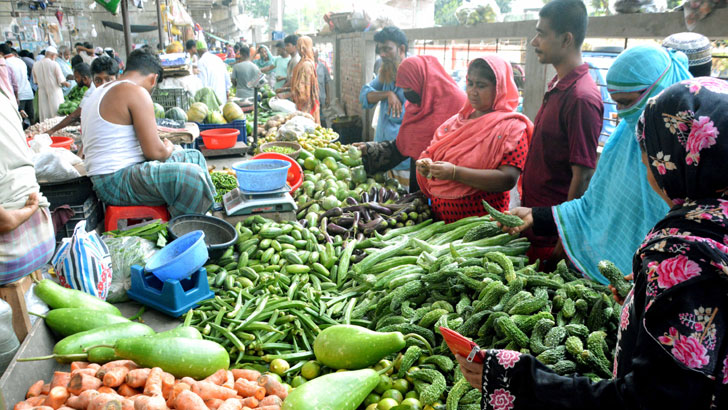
<point>296,127</point>
<point>126,251</point>
<point>281,105</point>
<point>40,143</point>
<point>52,166</point>
<point>83,262</point>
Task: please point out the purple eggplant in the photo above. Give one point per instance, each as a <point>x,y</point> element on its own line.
<point>379,208</point>
<point>360,237</point>
<point>373,194</point>
<point>375,224</point>
<point>345,221</point>
<point>364,196</point>
<point>355,222</point>
<point>335,229</point>
<point>382,194</point>
<point>351,201</point>
<point>333,212</point>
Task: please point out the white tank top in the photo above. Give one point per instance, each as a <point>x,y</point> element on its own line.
<point>107,147</point>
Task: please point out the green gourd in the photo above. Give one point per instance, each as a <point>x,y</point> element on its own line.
<point>68,321</point>
<point>355,347</point>
<point>615,277</point>
<point>56,296</point>
<point>334,391</point>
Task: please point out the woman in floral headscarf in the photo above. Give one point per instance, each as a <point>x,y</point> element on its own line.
<point>672,347</point>
<point>304,84</point>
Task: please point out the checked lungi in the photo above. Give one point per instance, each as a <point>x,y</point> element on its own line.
<point>27,248</point>
<point>181,182</point>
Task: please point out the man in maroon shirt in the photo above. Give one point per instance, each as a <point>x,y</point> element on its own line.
<point>563,151</point>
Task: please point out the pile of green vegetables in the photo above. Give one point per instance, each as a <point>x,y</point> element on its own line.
<point>73,100</point>
<point>95,331</point>
<point>155,231</point>
<point>224,183</point>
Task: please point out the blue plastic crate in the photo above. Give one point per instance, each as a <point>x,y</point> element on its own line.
<point>237,124</point>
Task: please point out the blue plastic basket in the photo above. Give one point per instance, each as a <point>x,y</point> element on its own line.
<point>237,124</point>
<point>181,258</point>
<point>260,175</point>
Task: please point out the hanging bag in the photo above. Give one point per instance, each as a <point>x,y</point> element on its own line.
<point>83,262</point>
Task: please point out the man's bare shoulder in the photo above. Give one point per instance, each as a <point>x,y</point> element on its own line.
<point>128,93</point>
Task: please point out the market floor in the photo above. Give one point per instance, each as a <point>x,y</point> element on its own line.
<point>225,162</point>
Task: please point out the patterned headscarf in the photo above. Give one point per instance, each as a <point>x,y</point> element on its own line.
<point>685,134</point>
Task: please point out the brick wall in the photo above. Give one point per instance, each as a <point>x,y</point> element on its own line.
<point>350,70</point>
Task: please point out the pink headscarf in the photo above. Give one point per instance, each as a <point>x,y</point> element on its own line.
<point>478,143</point>
<point>440,100</point>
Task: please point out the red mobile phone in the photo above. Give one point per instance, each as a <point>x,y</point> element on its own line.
<point>460,345</point>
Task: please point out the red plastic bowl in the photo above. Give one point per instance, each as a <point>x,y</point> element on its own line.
<point>295,173</point>
<point>220,138</point>
<point>62,142</point>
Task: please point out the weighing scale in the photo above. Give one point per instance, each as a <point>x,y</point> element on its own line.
<point>239,202</point>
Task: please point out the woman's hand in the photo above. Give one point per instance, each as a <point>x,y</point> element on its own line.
<point>442,170</point>
<point>12,219</point>
<point>395,105</point>
<point>361,146</point>
<point>423,167</point>
<point>473,372</point>
<point>615,294</point>
<point>524,213</point>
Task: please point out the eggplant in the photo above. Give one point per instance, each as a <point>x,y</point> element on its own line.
<point>379,208</point>
<point>333,212</point>
<point>373,194</point>
<point>345,221</point>
<point>335,229</point>
<point>358,258</point>
<point>375,224</point>
<point>355,223</point>
<point>365,216</point>
<point>351,201</point>
<point>382,195</point>
<point>364,197</point>
<point>360,237</point>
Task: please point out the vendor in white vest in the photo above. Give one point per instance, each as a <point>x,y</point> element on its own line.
<point>213,72</point>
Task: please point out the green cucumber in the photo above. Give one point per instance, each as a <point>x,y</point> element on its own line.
<point>68,321</point>
<point>355,347</point>
<point>56,296</point>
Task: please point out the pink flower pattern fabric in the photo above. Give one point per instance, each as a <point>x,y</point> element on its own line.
<point>508,358</point>
<point>501,399</point>
<point>673,271</point>
<point>702,135</point>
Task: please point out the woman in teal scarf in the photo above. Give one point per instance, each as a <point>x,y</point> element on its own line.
<point>265,59</point>
<point>619,208</point>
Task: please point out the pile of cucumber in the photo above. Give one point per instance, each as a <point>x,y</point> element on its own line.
<point>95,331</point>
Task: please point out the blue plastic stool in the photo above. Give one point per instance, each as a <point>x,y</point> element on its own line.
<point>172,297</point>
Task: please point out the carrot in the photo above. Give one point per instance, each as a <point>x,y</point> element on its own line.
<point>153,385</point>
<point>272,386</point>
<point>60,379</point>
<point>247,388</point>
<point>57,397</point>
<point>189,401</point>
<point>207,391</point>
<point>271,401</point>
<point>105,401</point>
<point>149,403</point>
<point>230,382</point>
<point>37,400</point>
<point>42,408</point>
<point>268,408</point>
<point>22,405</point>
<point>127,391</point>
<point>251,402</point>
<point>232,404</point>
<point>94,366</point>
<point>81,382</point>
<point>46,388</point>
<point>176,390</point>
<point>213,404</point>
<point>219,377</point>
<point>167,384</point>
<point>128,364</point>
<point>79,365</point>
<point>115,377</point>
<point>247,374</point>
<point>88,371</point>
<point>64,408</point>
<point>106,390</point>
<point>137,378</point>
<point>190,381</point>
<point>82,401</point>
<point>127,404</point>
<point>35,389</point>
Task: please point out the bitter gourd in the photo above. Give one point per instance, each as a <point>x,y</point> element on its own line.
<point>456,393</point>
<point>437,385</point>
<point>508,220</point>
<point>443,304</point>
<point>577,330</point>
<point>410,357</point>
<point>470,327</point>
<point>539,332</point>
<point>462,305</point>
<point>528,306</point>
<point>410,328</point>
<point>404,292</point>
<point>610,271</point>
<point>431,317</point>
<point>512,331</point>
<point>562,269</point>
<point>444,363</point>
<point>527,322</point>
<point>554,336</point>
<point>485,230</point>
<point>489,324</point>
<point>574,345</point>
<point>509,273</point>
<point>569,308</point>
<point>564,367</point>
<point>552,356</point>
<point>594,344</point>
<point>521,296</point>
<point>491,294</point>
<point>471,397</point>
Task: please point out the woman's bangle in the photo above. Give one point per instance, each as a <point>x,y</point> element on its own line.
<point>454,167</point>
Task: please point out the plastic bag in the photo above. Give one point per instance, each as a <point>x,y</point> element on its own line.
<point>295,127</point>
<point>82,262</point>
<point>639,6</point>
<point>281,105</point>
<point>126,251</point>
<point>52,166</point>
<point>40,143</point>
<point>333,111</point>
<point>478,11</point>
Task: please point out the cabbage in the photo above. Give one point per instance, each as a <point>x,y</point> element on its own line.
<point>209,98</point>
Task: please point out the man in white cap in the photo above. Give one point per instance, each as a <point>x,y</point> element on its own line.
<point>698,49</point>
<point>49,77</point>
